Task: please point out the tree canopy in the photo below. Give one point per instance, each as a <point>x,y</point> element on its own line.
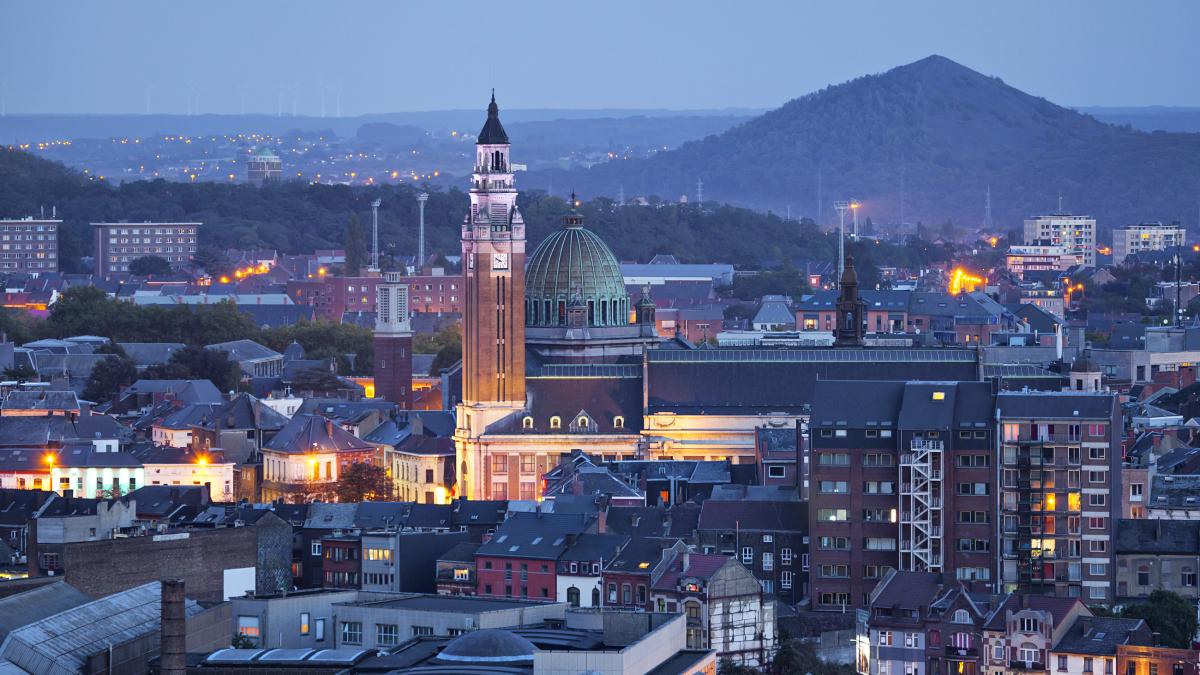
<point>149,265</point>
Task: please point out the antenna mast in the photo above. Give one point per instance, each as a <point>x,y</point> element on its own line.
<point>841,207</point>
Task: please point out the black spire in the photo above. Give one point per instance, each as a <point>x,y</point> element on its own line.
<point>493,132</point>
<point>573,218</point>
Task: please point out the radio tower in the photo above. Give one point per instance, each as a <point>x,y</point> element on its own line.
<point>699,192</point>
<point>987,209</point>
<point>841,207</point>
<point>421,199</point>
<point>621,195</point>
<point>375,235</point>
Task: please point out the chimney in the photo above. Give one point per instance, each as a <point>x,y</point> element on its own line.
<point>173,643</point>
<point>329,427</point>
<point>686,561</point>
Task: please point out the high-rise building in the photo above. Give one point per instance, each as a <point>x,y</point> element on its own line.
<point>493,254</point>
<point>262,166</point>
<point>29,245</point>
<point>1059,492</point>
<point>1076,233</point>
<point>118,244</point>
<point>1022,260</point>
<point>1129,239</point>
<point>393,342</point>
<point>901,478</point>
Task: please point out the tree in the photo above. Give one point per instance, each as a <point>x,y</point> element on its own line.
<point>356,247</point>
<point>800,658</point>
<point>197,363</point>
<point>20,373</point>
<point>1168,614</point>
<point>149,265</point>
<point>317,380</point>
<point>446,344</point>
<point>211,259</point>
<point>108,376</point>
<point>727,667</point>
<point>362,481</point>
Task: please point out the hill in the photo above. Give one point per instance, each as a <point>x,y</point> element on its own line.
<point>298,217</point>
<point>934,131</point>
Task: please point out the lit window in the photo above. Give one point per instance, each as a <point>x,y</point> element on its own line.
<point>556,422</point>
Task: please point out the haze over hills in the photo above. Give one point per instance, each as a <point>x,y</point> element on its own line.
<point>937,133</point>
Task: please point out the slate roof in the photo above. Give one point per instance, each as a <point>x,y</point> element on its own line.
<point>245,350</point>
<point>535,535</point>
<point>774,313</point>
<point>1057,607</point>
<point>593,480</point>
<point>244,411</point>
<point>767,380</point>
<point>856,405</point>
<point>1158,537</point>
<point>174,503</point>
<point>343,411</point>
<point>1175,492</point>
<point>595,547</point>
<point>478,512</point>
<point>145,354</point>
<point>1100,635</point>
<point>639,551</point>
<point>1055,405</point>
<point>68,638</point>
<point>636,521</point>
<point>304,432</point>
<point>22,609</point>
<point>907,590</point>
<point>186,417</point>
<point>754,516</point>
<point>964,405</point>
<point>40,399</point>
<point>276,315</point>
<point>581,389</point>
<point>699,566</point>
<point>463,551</point>
<point>327,516</point>
<point>493,132</point>
<point>188,391</point>
<point>20,431</point>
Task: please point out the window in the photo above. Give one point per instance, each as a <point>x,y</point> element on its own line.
<point>747,555</point>
<point>1187,577</point>
<point>418,631</point>
<point>387,634</point>
<point>980,517</point>
<point>1028,655</point>
<point>1030,625</point>
<point>785,556</point>
<point>247,626</point>
<point>873,487</point>
<point>1096,476</point>
<point>316,548</point>
<point>785,579</point>
<point>832,514</point>
<point>962,616</point>
<point>319,635</point>
<point>885,638</point>
<point>835,571</point>
<point>352,632</point>
<point>528,463</point>
<point>972,488</point>
<point>1099,570</point>
<point>556,422</point>
<point>768,561</point>
<point>527,422</point>
<point>834,487</point>
<point>833,543</point>
<point>776,471</point>
<point>304,618</point>
<point>1095,453</point>
<point>833,459</point>
<point>499,463</point>
<point>879,544</point>
<point>1143,575</point>
<point>1012,432</point>
<point>1135,491</point>
<point>973,461</point>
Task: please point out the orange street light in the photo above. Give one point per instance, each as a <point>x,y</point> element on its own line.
<point>49,458</point>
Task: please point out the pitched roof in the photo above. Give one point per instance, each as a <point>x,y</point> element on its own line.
<point>1057,607</point>
<point>595,547</point>
<point>22,609</point>
<point>493,132</point>
<point>535,535</point>
<point>40,399</point>
<point>245,350</point>
<point>686,565</point>
<point>463,551</point>
<point>754,516</point>
<point>308,433</point>
<point>244,411</point>
<point>1100,635</point>
<point>146,354</point>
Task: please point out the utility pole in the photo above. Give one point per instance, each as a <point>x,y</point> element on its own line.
<point>987,209</point>
<point>421,199</point>
<point>841,261</point>
<point>375,235</point>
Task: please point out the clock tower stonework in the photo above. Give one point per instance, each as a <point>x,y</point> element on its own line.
<point>493,259</point>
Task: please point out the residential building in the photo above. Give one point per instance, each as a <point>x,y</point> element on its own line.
<point>1040,258</point>
<point>901,474</point>
<point>579,575</point>
<point>118,244</point>
<point>724,606</point>
<point>1136,659</point>
<point>521,559</point>
<point>1076,233</point>
<point>254,359</point>
<point>1024,628</point>
<point>1059,492</point>
<point>419,455</point>
<point>769,538</point>
<point>29,246</point>
<point>1091,644</point>
<point>456,570</point>
<point>629,575</point>
<point>1156,555</point>
<point>165,465</point>
<point>308,455</point>
<point>1130,239</point>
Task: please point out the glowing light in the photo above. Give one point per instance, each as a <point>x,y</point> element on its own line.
<point>49,458</point>
<point>202,461</point>
<point>993,241</point>
<point>962,281</point>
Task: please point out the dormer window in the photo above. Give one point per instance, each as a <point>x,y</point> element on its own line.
<point>582,422</point>
<point>618,422</point>
<point>556,422</point>
<point>527,422</point>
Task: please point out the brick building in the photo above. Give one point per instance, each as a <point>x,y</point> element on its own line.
<point>29,246</point>
<point>334,296</point>
<point>118,244</point>
<point>520,560</point>
<point>900,473</point>
<point>768,538</point>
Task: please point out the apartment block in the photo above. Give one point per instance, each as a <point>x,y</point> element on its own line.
<point>1059,492</point>
<point>118,244</point>
<point>29,245</point>
<point>902,477</point>
<point>1076,233</point>
<point>1130,239</point>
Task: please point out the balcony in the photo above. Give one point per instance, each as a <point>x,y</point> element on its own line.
<point>1026,665</point>
<point>952,651</point>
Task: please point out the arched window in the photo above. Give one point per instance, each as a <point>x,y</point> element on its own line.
<point>619,422</point>
<point>556,422</point>
<point>582,422</point>
<point>573,596</point>
<point>596,597</point>
<point>961,616</point>
<point>527,422</point>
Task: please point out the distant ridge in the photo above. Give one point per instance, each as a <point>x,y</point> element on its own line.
<point>944,132</point>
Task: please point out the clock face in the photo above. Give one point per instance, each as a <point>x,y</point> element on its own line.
<point>499,261</point>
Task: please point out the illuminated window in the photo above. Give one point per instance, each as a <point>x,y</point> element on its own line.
<point>556,422</point>
<point>527,422</point>
<point>619,422</point>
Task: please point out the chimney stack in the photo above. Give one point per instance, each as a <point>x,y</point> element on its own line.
<point>173,643</point>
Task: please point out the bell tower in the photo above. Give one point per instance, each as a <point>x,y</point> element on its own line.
<point>851,310</point>
<point>493,260</point>
<point>493,253</point>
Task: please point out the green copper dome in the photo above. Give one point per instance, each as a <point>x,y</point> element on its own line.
<point>574,271</point>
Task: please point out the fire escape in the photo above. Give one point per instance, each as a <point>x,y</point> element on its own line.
<point>921,506</point>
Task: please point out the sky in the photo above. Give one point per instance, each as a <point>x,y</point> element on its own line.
<point>257,56</point>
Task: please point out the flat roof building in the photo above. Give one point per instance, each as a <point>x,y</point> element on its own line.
<point>29,245</point>
<point>118,244</point>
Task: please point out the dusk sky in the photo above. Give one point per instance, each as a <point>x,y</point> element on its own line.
<point>114,57</point>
